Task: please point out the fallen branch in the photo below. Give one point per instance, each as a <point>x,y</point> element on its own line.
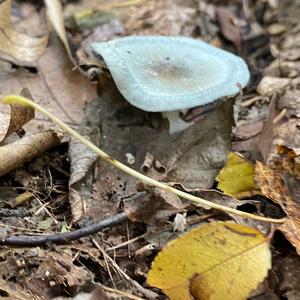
<point>15,99</point>
<point>62,238</point>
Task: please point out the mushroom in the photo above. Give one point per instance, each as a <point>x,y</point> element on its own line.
<point>169,74</point>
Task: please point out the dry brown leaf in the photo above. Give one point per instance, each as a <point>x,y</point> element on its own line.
<point>15,154</point>
<point>19,115</point>
<point>283,188</point>
<point>14,45</point>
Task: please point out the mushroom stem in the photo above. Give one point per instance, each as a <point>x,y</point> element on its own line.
<point>16,99</point>
<point>175,123</point>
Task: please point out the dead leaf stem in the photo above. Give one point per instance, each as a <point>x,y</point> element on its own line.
<point>16,99</point>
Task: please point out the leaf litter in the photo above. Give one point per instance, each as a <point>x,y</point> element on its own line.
<point>66,197</point>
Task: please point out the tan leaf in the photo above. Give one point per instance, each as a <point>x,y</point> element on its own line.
<point>15,45</point>
<point>56,18</point>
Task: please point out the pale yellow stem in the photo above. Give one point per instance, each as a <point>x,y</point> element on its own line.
<point>15,99</point>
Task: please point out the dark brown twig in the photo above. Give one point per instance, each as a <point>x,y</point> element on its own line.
<point>61,238</point>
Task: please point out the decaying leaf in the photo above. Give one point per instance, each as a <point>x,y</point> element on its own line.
<point>15,154</point>
<point>237,176</point>
<point>220,260</point>
<point>14,45</point>
<point>18,116</point>
<point>280,183</point>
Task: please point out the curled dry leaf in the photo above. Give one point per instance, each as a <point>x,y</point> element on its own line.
<point>14,45</point>
<point>56,17</point>
<point>15,154</point>
<point>19,115</point>
<point>220,260</point>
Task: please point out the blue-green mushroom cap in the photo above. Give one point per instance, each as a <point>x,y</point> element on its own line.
<point>160,73</point>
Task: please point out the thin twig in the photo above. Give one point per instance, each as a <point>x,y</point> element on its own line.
<point>147,293</point>
<point>16,99</point>
<point>62,238</point>
<point>121,293</point>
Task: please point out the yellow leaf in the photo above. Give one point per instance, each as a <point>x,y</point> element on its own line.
<point>220,260</point>
<point>237,176</point>
<point>16,44</point>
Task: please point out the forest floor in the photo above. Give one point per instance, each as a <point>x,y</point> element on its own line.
<point>73,226</point>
